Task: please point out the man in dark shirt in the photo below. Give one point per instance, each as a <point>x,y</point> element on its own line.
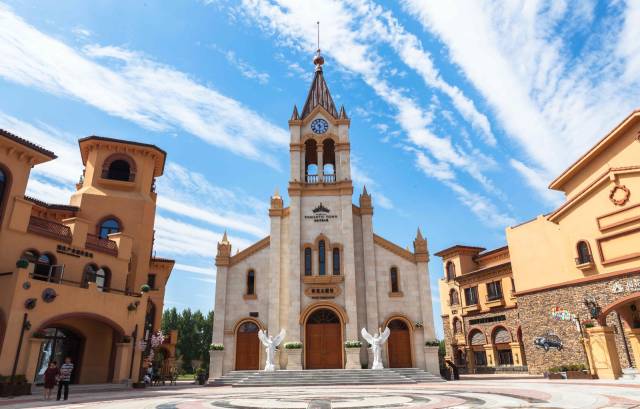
<point>65,377</point>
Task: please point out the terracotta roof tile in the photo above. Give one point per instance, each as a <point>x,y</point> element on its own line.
<point>26,143</point>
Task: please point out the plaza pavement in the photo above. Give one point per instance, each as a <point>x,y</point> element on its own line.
<point>483,393</point>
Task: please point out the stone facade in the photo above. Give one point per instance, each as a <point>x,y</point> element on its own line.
<point>538,322</point>
<point>323,255</point>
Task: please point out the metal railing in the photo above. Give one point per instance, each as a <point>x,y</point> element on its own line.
<point>49,228</point>
<point>97,243</point>
<point>55,279</point>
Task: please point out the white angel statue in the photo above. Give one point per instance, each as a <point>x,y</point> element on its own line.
<point>376,342</point>
<point>270,343</point>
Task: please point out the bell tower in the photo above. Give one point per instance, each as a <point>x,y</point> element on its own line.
<point>319,143</point>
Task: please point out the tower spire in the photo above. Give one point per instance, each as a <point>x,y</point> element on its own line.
<point>318,60</point>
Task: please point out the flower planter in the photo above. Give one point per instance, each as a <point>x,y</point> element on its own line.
<point>294,359</point>
<point>578,375</point>
<point>353,358</point>
<point>14,389</point>
<point>556,375</point>
<point>431,359</point>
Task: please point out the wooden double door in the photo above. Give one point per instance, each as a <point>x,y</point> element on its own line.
<point>399,345</point>
<point>247,347</point>
<point>323,349</point>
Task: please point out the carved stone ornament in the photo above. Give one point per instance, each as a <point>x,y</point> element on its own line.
<point>619,195</point>
<point>49,294</point>
<point>26,285</point>
<point>30,303</point>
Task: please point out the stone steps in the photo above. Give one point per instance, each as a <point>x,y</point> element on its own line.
<point>326,377</point>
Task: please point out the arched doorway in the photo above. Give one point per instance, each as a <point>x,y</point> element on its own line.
<point>247,347</point>
<point>501,340</point>
<point>323,335</point>
<point>399,344</point>
<point>59,344</point>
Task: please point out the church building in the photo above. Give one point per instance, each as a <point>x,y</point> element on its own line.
<point>322,274</point>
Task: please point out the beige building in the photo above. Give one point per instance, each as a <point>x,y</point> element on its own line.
<point>479,311</point>
<point>322,274</point>
<point>581,262</point>
<point>570,279</point>
<point>72,276</point>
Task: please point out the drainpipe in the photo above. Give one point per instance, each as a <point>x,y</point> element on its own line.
<point>133,352</point>
<point>25,325</point>
<point>624,340</point>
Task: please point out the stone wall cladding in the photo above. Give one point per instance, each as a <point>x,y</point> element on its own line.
<point>536,321</point>
<point>511,323</point>
<point>448,336</point>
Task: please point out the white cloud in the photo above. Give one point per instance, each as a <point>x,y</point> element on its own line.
<point>198,270</point>
<point>555,101</point>
<point>361,179</point>
<point>130,86</point>
<point>293,23</point>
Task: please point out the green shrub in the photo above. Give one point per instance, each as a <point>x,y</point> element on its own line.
<point>22,263</point>
<point>293,345</point>
<point>216,347</point>
<point>432,343</point>
<point>352,344</point>
<point>145,288</point>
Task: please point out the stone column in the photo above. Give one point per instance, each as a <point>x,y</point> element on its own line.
<point>293,310</point>
<point>122,362</point>
<point>320,164</point>
<point>471,362</point>
<point>222,266</point>
<point>633,338</point>
<point>275,214</point>
<point>349,268</point>
<point>371,285</point>
<point>603,350</point>
<point>33,353</point>
<point>516,351</point>
<point>421,255</point>
<point>491,358</point>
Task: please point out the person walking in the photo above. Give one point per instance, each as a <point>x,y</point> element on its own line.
<point>50,378</point>
<point>65,377</point>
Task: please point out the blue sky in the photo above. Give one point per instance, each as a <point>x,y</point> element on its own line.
<point>462,112</point>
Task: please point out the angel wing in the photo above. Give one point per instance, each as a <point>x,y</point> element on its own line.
<point>367,337</point>
<point>385,334</point>
<point>278,339</point>
<point>263,338</point>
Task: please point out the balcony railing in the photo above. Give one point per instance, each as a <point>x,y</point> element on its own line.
<point>317,179</point>
<point>586,259</point>
<point>49,228</point>
<point>312,178</point>
<point>57,278</point>
<point>97,243</point>
<point>329,178</point>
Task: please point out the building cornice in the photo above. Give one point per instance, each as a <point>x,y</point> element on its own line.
<point>394,248</point>
<point>254,248</point>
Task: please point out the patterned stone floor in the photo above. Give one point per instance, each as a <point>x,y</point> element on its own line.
<point>463,394</point>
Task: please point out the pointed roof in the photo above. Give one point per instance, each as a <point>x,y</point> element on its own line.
<point>319,92</point>
<point>294,115</point>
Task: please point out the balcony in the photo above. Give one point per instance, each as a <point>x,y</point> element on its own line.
<point>584,262</point>
<point>494,300</point>
<point>56,276</point>
<point>97,243</point>
<point>471,308</point>
<point>313,179</point>
<point>48,228</point>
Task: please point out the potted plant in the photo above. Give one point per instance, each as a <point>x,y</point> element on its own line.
<point>432,343</point>
<point>293,345</point>
<point>19,386</point>
<point>577,371</point>
<point>22,263</point>
<point>201,375</point>
<point>555,373</point>
<point>352,344</point>
<point>216,347</point>
<point>145,288</point>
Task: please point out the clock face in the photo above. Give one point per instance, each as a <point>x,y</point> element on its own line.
<point>319,126</point>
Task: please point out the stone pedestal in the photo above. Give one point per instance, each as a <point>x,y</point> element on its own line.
<point>352,356</point>
<point>215,364</point>
<point>432,360</point>
<point>603,351</point>
<point>294,359</point>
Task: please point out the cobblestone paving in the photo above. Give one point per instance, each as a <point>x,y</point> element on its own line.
<point>463,394</point>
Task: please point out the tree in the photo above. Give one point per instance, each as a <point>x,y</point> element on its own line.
<point>194,334</point>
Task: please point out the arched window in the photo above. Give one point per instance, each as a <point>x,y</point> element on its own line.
<point>322,262</point>
<point>395,286</point>
<point>251,282</point>
<point>119,167</point>
<point>329,161</point>
<point>307,261</point>
<point>89,274</point>
<point>451,270</point>
<point>457,326</point>
<point>43,266</point>
<point>336,261</point>
<point>103,277</point>
<point>453,297</point>
<point>311,161</point>
<point>584,255</point>
<point>107,227</point>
